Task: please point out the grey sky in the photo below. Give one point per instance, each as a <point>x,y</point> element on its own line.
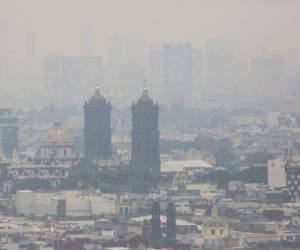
<point>32,29</point>
<point>254,25</point>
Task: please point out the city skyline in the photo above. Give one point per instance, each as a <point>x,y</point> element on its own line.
<point>36,46</point>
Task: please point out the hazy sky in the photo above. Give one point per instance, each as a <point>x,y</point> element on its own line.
<point>256,26</point>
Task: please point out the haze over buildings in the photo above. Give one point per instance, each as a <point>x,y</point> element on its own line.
<point>140,125</point>
<point>194,50</point>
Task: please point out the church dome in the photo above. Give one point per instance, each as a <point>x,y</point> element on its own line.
<point>57,134</point>
<point>145,98</point>
<point>97,97</point>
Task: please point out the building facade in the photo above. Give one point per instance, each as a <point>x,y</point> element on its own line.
<point>276,173</point>
<point>171,222</point>
<point>52,163</point>
<point>8,133</point>
<point>155,224</point>
<point>97,127</point>
<point>292,169</point>
<point>145,156</point>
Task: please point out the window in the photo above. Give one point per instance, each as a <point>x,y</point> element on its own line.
<point>213,232</point>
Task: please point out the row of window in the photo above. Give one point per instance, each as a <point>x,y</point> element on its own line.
<point>293,182</point>
<point>293,176</point>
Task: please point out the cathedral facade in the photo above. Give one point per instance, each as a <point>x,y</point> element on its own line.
<point>145,156</point>
<point>97,127</point>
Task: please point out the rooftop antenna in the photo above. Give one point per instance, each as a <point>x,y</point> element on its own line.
<point>97,89</point>
<point>145,88</point>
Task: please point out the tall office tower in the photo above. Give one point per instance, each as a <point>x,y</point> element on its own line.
<point>114,64</point>
<point>52,71</point>
<point>4,38</point>
<point>268,73</point>
<point>155,224</point>
<point>8,133</point>
<point>175,73</point>
<point>86,40</point>
<point>145,157</point>
<point>97,127</point>
<point>3,51</point>
<point>171,222</point>
<point>292,169</point>
<point>78,76</point>
<point>219,68</point>
<point>30,45</point>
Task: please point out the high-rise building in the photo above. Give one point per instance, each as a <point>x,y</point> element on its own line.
<point>292,169</point>
<point>8,133</point>
<point>268,73</point>
<point>276,173</point>
<point>155,224</point>
<point>97,127</point>
<point>78,76</point>
<point>145,157</point>
<point>171,222</point>
<point>52,71</point>
<point>176,73</point>
<point>219,72</point>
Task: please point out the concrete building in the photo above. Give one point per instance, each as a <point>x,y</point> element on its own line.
<point>276,173</point>
<point>176,74</point>
<point>268,72</point>
<point>8,133</point>
<point>79,74</point>
<point>276,119</point>
<point>220,68</point>
<point>76,204</point>
<point>293,178</point>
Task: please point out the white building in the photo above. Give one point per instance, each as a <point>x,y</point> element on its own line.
<point>76,203</point>
<point>189,166</point>
<point>276,173</point>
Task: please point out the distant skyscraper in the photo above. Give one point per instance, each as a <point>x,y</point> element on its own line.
<point>155,224</point>
<point>176,73</point>
<point>78,76</point>
<point>4,38</point>
<point>145,157</point>
<point>292,169</point>
<point>114,65</point>
<point>52,71</point>
<point>171,223</point>
<point>86,40</point>
<point>219,68</point>
<point>30,45</point>
<point>97,127</point>
<point>268,73</point>
<point>8,133</point>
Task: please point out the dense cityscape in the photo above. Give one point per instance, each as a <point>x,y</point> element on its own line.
<point>140,145</point>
